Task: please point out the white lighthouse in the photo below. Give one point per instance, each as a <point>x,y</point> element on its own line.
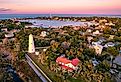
<point>31,44</point>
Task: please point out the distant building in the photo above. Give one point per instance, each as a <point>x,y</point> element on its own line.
<point>36,53</point>
<point>109,44</point>
<point>4,29</point>
<point>9,35</point>
<point>103,21</point>
<point>96,33</point>
<point>43,33</point>
<point>31,44</point>
<point>44,49</point>
<point>68,64</point>
<point>111,37</point>
<point>98,42</point>
<point>17,22</point>
<point>109,24</point>
<point>101,27</point>
<point>95,43</point>
<point>83,20</point>
<point>98,48</point>
<point>102,39</point>
<point>89,38</point>
<point>89,30</point>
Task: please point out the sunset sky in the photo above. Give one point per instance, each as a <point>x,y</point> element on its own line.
<point>60,6</point>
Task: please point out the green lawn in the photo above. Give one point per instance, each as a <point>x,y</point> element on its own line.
<point>50,74</point>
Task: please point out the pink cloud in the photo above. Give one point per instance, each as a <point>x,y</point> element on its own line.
<point>63,6</point>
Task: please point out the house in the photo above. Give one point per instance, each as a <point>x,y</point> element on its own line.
<point>101,39</point>
<point>101,27</point>
<point>96,33</point>
<point>9,35</point>
<point>89,38</point>
<point>109,44</point>
<point>111,37</point>
<point>43,33</point>
<point>96,43</point>
<point>44,49</point>
<point>89,30</point>
<point>83,20</point>
<point>4,29</point>
<point>68,64</point>
<point>17,22</point>
<point>98,48</point>
<point>109,24</point>
<point>103,20</point>
<point>36,53</point>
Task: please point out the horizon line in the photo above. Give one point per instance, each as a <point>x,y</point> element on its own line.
<point>62,13</point>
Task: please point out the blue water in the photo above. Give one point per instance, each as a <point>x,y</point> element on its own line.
<point>8,16</point>
<point>53,23</point>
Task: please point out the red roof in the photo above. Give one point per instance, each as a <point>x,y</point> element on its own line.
<point>66,61</point>
<point>63,60</point>
<point>75,61</point>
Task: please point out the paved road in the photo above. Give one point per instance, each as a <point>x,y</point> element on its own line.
<point>37,70</point>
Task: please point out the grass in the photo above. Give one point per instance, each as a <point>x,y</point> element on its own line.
<point>50,74</point>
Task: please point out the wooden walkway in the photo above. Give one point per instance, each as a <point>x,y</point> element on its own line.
<point>37,70</point>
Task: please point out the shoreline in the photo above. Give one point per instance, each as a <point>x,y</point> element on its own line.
<point>9,16</point>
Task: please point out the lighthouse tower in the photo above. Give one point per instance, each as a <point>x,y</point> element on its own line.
<point>31,48</point>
